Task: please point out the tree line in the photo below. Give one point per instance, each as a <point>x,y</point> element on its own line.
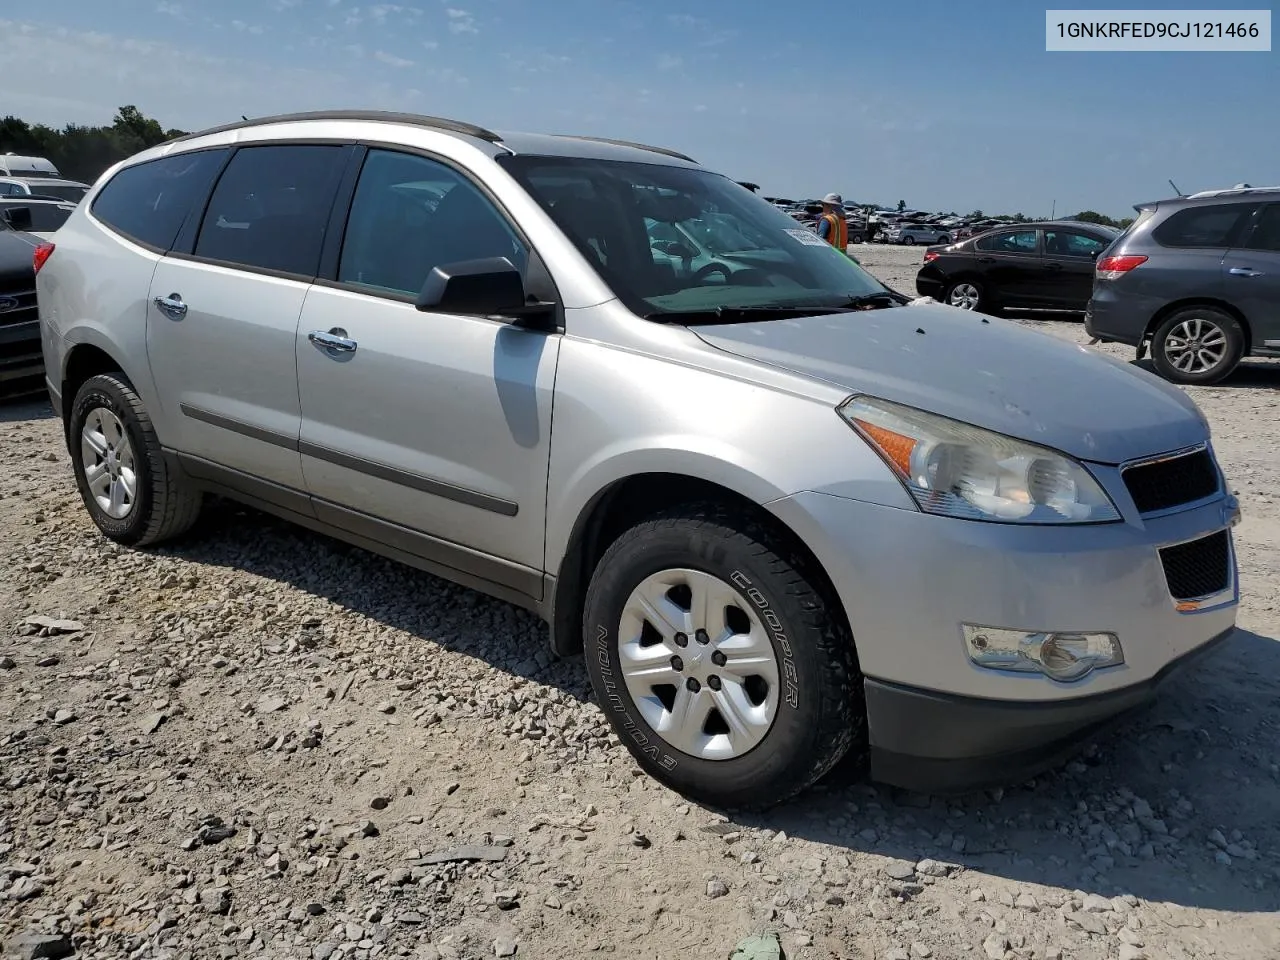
<point>83,153</point>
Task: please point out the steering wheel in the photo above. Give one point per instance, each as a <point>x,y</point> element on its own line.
<point>708,269</point>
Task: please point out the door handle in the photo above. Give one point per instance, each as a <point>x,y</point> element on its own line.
<point>172,306</point>
<point>334,340</point>
<point>1244,272</point>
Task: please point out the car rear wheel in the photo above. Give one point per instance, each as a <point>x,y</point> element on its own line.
<point>965,294</point>
<point>130,490</point>
<point>720,661</point>
<point>1197,345</point>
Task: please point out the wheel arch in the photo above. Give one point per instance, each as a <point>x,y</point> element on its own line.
<point>85,359</point>
<point>628,501</point>
<point>1170,308</point>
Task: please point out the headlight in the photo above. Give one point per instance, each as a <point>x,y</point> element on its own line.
<point>957,470</point>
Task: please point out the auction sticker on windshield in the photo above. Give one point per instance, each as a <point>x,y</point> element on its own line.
<point>808,238</point>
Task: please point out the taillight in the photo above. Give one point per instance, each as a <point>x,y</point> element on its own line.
<point>41,255</point>
<point>930,256</point>
<point>1113,268</point>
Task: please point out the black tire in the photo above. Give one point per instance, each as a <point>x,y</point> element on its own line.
<point>944,239</point>
<point>1232,334</point>
<point>820,713</point>
<point>909,241</point>
<point>165,505</point>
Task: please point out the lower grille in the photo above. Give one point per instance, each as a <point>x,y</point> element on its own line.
<point>17,305</point>
<point>1198,569</point>
<point>1172,482</point>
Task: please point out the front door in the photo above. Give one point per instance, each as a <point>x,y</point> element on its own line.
<point>224,317</point>
<point>1251,278</point>
<point>1068,267</point>
<point>426,431</point>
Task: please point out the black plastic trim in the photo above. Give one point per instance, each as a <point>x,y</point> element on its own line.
<point>239,426</point>
<point>491,575</point>
<point>943,743</point>
<point>415,481</point>
<point>664,151</point>
<point>382,116</point>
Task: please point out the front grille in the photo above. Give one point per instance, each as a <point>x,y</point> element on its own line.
<point>1197,569</point>
<point>1163,484</point>
<point>25,309</point>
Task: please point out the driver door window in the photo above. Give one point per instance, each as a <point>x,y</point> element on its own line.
<point>410,215</point>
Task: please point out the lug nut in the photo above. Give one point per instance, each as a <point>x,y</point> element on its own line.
<point>719,659</point>
<point>701,636</point>
<point>682,640</point>
<point>713,683</point>
<point>692,685</point>
<point>677,664</point>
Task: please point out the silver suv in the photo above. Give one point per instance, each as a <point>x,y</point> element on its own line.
<point>789,516</point>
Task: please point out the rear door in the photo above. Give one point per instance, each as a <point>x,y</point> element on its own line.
<point>1010,266</point>
<point>224,311</point>
<point>1251,276</point>
<point>1068,264</point>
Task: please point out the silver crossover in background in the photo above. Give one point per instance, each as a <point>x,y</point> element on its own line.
<point>786,515</point>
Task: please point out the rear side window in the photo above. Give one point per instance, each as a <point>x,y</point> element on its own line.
<point>148,202</point>
<point>1266,232</point>
<point>270,208</point>
<point>1020,241</point>
<point>1214,226</point>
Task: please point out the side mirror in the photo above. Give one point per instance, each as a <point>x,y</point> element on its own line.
<point>488,287</point>
<point>19,218</point>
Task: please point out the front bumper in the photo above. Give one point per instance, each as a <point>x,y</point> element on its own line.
<point>908,581</point>
<point>938,743</point>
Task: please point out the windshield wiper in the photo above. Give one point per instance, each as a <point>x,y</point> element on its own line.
<point>885,299</point>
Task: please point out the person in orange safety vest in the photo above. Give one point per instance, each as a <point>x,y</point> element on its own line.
<point>832,226</point>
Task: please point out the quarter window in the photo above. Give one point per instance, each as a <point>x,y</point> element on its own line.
<point>410,215</point>
<point>270,208</point>
<point>148,202</point>
<point>1212,226</point>
<point>1266,233</point>
<point>1020,241</point>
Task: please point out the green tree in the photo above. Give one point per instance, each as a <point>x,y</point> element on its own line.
<point>1092,216</point>
<point>83,153</point>
<point>902,205</point>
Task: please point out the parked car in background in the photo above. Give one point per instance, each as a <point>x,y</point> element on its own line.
<point>1040,266</point>
<point>913,233</point>
<point>1197,281</point>
<point>13,165</point>
<point>21,361</point>
<point>763,477</point>
<point>33,218</point>
<point>43,187</point>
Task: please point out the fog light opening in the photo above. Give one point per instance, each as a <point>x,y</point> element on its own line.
<point>1059,656</point>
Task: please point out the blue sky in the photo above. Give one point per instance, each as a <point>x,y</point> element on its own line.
<point>942,104</point>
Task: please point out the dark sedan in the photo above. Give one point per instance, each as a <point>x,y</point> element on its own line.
<point>1039,266</point>
<point>21,361</point>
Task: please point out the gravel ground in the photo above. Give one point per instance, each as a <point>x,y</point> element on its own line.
<point>264,743</point>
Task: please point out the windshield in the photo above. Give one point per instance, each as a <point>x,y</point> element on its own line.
<point>45,217</point>
<point>676,240</point>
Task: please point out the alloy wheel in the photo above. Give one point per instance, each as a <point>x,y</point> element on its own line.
<point>964,295</point>
<point>108,463</point>
<point>1195,346</point>
<point>699,664</point>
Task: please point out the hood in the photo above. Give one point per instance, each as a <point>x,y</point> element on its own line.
<point>985,371</point>
<point>15,254</point>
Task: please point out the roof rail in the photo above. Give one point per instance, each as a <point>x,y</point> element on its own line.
<point>1233,191</point>
<point>630,143</point>
<point>382,116</point>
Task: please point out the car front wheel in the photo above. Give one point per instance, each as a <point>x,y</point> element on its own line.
<point>720,661</point>
<point>130,490</point>
<point>1197,345</point>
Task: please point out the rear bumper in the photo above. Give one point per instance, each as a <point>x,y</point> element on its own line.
<point>1119,319</point>
<point>941,743</point>
<point>929,284</point>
